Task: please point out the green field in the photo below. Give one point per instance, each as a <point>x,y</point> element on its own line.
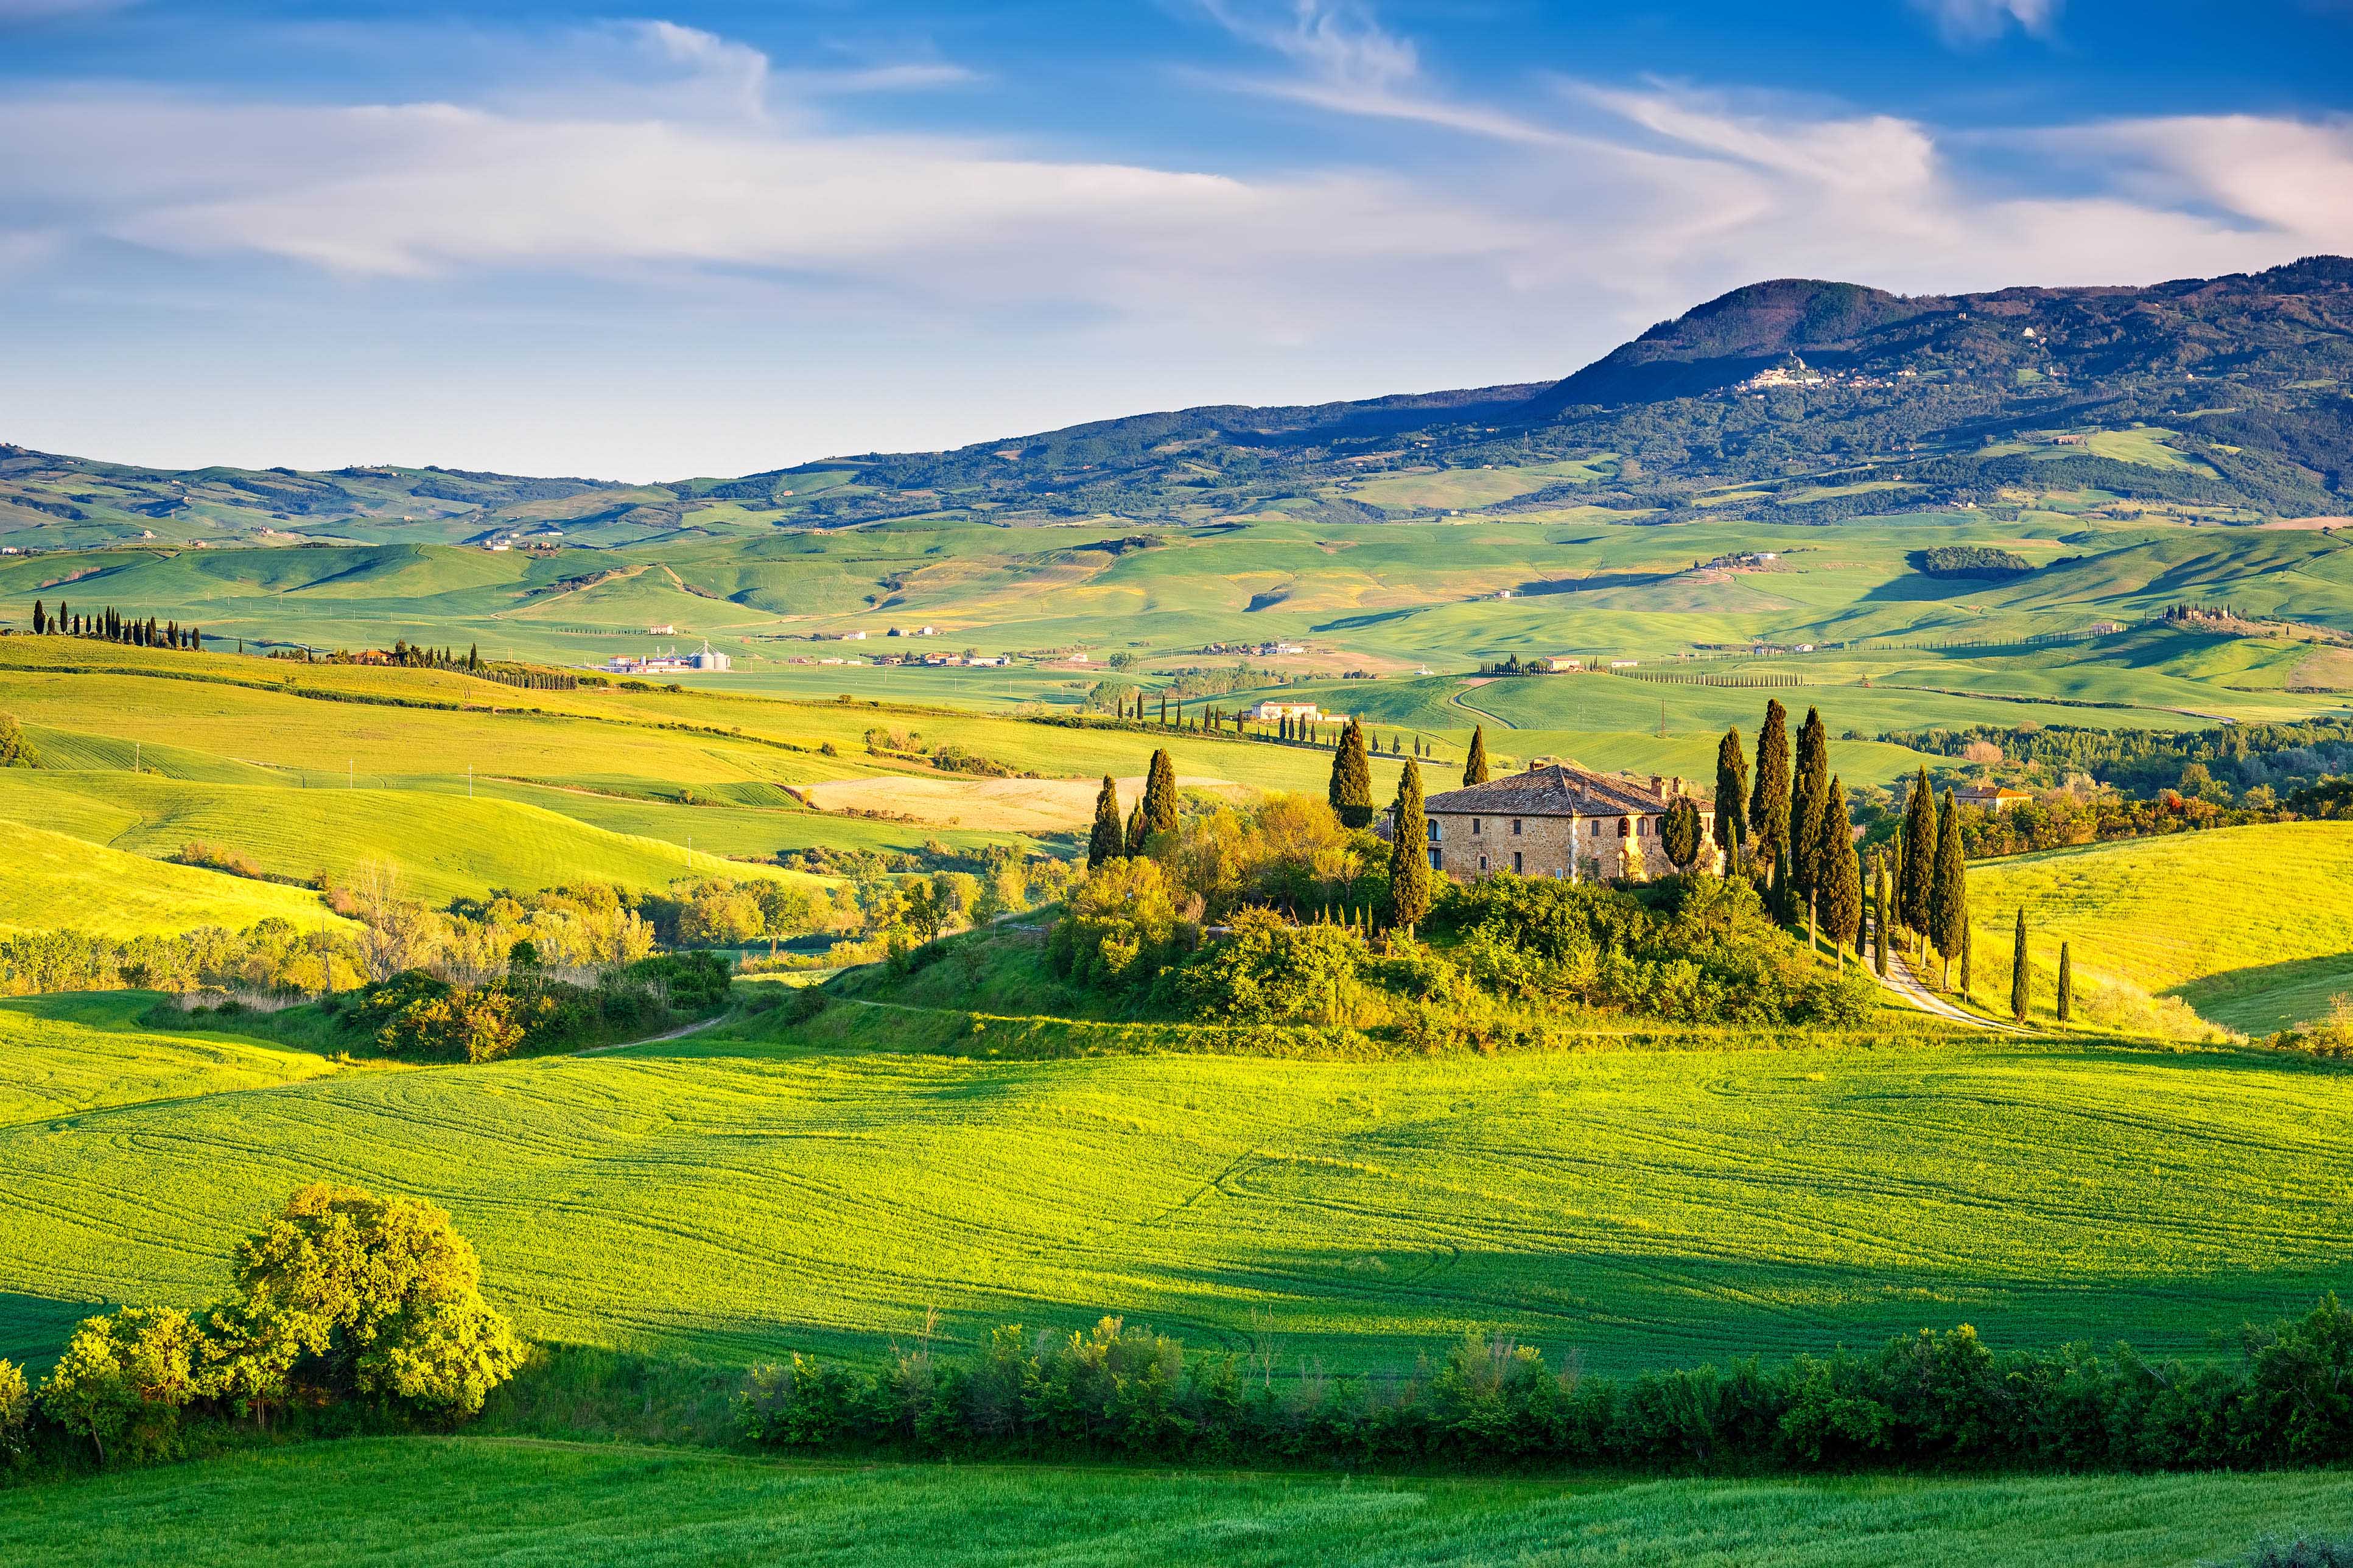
<point>2250,926</point>
<point>738,1192</point>
<point>53,882</point>
<point>420,1502</point>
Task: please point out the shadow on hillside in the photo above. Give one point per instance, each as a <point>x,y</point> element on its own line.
<point>2264,996</point>
<point>33,1328</point>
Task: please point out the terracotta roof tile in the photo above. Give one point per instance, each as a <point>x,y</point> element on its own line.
<point>1557,790</point>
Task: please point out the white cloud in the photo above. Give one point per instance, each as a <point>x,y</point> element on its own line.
<point>1971,21</point>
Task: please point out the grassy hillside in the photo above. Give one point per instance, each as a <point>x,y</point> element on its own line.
<point>2250,926</point>
<point>446,846</point>
<point>732,1196</point>
<point>406,1502</point>
<point>51,882</point>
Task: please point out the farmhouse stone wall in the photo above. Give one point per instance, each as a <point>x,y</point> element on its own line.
<point>1471,844</point>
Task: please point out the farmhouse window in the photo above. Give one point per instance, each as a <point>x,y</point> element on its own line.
<point>1482,862</point>
<point>1474,827</point>
<point>1516,867</point>
<point>1516,827</point>
<point>1433,859</point>
<point>1621,827</point>
<point>1433,830</point>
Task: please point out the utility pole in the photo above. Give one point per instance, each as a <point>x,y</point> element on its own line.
<point>135,754</point>
<point>470,781</point>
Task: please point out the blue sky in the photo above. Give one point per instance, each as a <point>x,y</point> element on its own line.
<point>710,238</point>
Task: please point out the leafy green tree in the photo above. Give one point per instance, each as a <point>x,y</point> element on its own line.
<point>1948,894</point>
<point>383,1297</point>
<point>1119,928</point>
<point>1160,795</point>
<point>721,914</point>
<point>16,1415</point>
<point>1107,841</point>
<point>2066,1008</point>
<point>1474,766</point>
<point>1731,798</point>
<point>1351,789</point>
<point>1839,897</point>
<point>2018,996</point>
<point>15,751</point>
<point>1409,879</point>
<point>124,1379</point>
<point>784,910</point>
<point>1916,871</point>
<point>1681,834</point>
<point>1768,807</point>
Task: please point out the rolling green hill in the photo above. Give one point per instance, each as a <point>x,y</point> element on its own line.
<point>51,882</point>
<point>2250,926</point>
<point>747,1190</point>
<point>406,1502</point>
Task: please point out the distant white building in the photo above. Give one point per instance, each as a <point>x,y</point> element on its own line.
<point>1270,711</point>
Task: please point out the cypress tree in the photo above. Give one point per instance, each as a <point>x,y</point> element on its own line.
<point>1880,916</point>
<point>1474,766</point>
<point>1768,807</point>
<point>40,625</point>
<point>2017,986</point>
<point>1731,798</point>
<point>1838,896</point>
<point>1680,834</point>
<point>1809,858</point>
<point>1917,871</point>
<point>2066,1008</point>
<point>1106,842</point>
<point>1135,835</point>
<point>1159,806</point>
<point>1351,791</point>
<point>1410,854</point>
<point>1948,895</point>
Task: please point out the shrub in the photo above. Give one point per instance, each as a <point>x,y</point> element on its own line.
<point>1268,971</point>
<point>16,1415</point>
<point>1120,928</point>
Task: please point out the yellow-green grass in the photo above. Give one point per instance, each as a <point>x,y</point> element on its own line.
<point>64,1055</point>
<point>444,845</point>
<point>420,1502</point>
<point>51,882</point>
<point>2253,927</point>
<point>732,1197</point>
<point>1456,489</point>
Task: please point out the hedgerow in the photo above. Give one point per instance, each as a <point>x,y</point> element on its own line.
<point>1932,1399</point>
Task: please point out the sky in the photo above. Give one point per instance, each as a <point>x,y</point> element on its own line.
<point>713,239</point>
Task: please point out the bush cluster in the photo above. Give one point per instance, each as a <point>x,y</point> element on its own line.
<point>342,1300</point>
<point>1930,1399</point>
<point>419,1017</point>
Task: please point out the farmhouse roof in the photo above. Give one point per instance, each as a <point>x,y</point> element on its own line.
<point>1560,789</point>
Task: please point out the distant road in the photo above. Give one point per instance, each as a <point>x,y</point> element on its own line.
<point>1459,701</point>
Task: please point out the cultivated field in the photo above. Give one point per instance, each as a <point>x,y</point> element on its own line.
<point>741,1192</point>
<point>2250,926</point>
<point>413,1501</point>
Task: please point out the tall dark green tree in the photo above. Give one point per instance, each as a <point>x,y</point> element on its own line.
<point>1680,833</point>
<point>1108,841</point>
<point>1949,893</point>
<point>1809,858</point>
<point>2066,999</point>
<point>1917,871</point>
<point>1838,896</point>
<point>1731,798</point>
<point>1768,805</point>
<point>1409,876</point>
<point>1351,792</point>
<point>1133,836</point>
<point>1160,795</point>
<point>1474,766</point>
<point>2018,984</point>
<point>1880,916</point>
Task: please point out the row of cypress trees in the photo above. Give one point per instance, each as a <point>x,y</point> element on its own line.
<point>109,624</point>
<point>1792,828</point>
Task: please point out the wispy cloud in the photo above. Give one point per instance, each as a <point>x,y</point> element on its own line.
<point>1967,23</point>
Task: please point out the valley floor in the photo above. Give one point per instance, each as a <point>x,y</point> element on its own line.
<point>413,1501</point>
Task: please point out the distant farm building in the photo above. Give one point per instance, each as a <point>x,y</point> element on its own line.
<point>1992,798</point>
<point>705,660</point>
<point>1270,713</point>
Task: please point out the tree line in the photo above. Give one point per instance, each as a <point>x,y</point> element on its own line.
<point>1925,1400</point>
<point>110,625</point>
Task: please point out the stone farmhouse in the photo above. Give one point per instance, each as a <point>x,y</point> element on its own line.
<point>1557,819</point>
